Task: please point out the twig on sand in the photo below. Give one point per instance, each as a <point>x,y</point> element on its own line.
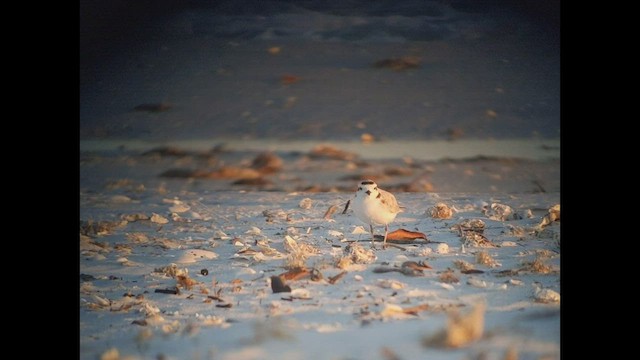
<point>330,211</point>
<point>334,279</point>
<point>172,291</point>
<point>346,207</point>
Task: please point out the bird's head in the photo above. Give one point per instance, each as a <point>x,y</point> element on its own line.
<point>368,188</point>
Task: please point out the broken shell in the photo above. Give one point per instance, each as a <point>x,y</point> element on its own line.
<point>120,199</point>
<point>111,354</point>
<point>447,286</point>
<point>483,258</point>
<point>508,244</point>
<point>253,231</point>
<point>546,296</point>
<point>442,249</point>
<point>359,230</point>
<point>474,238</point>
<point>554,212</point>
<point>463,265</point>
<point>441,211</point>
<point>135,217</point>
<point>475,282</point>
<point>358,254</point>
<point>301,293</point>
<point>195,255</point>
<point>499,212</point>
<point>179,208</point>
<point>462,329</point>
<point>219,234</point>
<point>553,215</point>
<point>306,203</point>
<point>390,284</point>
<point>475,225</point>
<point>522,214</point>
<point>159,219</point>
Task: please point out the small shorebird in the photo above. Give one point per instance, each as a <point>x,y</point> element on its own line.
<point>375,206</point>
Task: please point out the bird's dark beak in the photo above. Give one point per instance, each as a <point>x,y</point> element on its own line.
<point>368,192</point>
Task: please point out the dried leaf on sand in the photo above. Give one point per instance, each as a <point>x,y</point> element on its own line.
<point>296,273</point>
<point>462,329</point>
<point>405,235</point>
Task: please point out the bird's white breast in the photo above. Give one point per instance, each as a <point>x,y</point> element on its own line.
<point>371,210</point>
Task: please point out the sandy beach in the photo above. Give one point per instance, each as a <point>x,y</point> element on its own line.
<point>220,143</point>
<point>212,242</point>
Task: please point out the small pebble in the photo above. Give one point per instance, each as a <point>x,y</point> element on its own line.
<point>204,272</point>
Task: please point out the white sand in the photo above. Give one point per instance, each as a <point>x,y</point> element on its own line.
<point>263,325</point>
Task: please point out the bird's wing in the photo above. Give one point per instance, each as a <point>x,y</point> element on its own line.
<point>389,199</point>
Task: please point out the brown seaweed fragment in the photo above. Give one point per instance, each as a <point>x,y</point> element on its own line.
<point>399,64</point>
<point>153,107</point>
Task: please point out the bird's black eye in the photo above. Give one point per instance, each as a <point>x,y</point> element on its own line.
<point>360,188</point>
<point>375,188</point>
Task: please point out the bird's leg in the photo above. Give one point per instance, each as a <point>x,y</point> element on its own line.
<point>386,231</point>
<point>373,237</point>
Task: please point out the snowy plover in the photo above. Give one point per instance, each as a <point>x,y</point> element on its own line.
<point>375,206</point>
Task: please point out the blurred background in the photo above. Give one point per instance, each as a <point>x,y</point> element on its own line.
<point>322,70</point>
